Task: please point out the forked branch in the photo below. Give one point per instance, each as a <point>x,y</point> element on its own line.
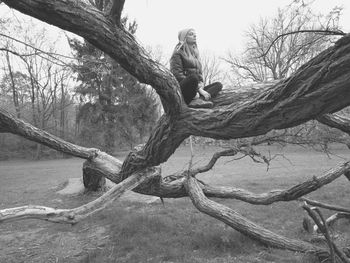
<point>321,223</point>
<point>342,212</point>
<point>324,205</point>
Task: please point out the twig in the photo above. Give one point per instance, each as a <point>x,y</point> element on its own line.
<point>324,205</point>
<point>51,54</point>
<point>322,227</point>
<point>325,32</point>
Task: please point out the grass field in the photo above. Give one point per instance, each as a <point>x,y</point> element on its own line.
<point>134,231</point>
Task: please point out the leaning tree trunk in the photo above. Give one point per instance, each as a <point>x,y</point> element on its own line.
<point>319,87</point>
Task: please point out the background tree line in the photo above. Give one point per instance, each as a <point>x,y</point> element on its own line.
<point>86,99</point>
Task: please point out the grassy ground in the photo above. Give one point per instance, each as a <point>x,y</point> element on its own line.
<point>130,231</point>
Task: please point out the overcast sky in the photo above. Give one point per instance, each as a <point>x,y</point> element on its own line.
<point>220,24</point>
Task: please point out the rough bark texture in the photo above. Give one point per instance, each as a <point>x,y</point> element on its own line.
<point>93,182</point>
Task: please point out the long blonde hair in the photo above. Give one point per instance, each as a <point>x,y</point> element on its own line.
<point>190,51</point>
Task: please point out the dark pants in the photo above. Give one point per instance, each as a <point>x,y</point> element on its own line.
<point>189,87</point>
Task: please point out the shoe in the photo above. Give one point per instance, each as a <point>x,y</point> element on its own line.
<point>200,103</point>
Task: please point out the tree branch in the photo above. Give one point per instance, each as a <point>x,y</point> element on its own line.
<point>336,121</point>
<point>243,225</point>
<point>9,123</point>
<point>324,205</point>
<point>323,32</point>
<point>330,221</point>
<point>72,216</point>
<point>323,228</point>
<point>292,193</point>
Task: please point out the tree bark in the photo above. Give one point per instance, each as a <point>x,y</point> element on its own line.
<point>243,225</point>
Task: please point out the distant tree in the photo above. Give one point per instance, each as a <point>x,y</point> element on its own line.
<point>34,79</point>
<point>113,104</point>
<point>272,54</point>
<point>15,86</point>
<point>261,62</point>
<point>212,70</point>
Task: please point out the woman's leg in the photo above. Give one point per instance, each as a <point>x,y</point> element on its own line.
<point>213,89</point>
<point>189,88</point>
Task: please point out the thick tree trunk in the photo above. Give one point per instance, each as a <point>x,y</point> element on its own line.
<point>93,182</point>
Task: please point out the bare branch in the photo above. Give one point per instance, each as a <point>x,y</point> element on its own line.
<point>9,123</point>
<point>213,160</point>
<point>245,150</point>
<point>72,216</point>
<point>292,193</point>
<point>323,32</point>
<point>322,225</point>
<point>324,205</point>
<point>38,51</point>
<point>16,53</point>
<point>243,225</point>
<point>330,221</point>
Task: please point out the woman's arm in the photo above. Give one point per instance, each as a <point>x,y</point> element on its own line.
<point>176,67</point>
<point>202,92</point>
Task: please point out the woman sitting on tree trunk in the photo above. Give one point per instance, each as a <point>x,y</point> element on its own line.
<point>187,69</point>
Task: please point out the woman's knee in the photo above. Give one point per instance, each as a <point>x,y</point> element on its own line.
<point>214,88</point>
<point>218,85</point>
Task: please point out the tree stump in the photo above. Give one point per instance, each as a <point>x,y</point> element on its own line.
<point>91,180</point>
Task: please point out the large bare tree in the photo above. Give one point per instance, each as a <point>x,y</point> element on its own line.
<point>317,88</point>
<point>261,61</point>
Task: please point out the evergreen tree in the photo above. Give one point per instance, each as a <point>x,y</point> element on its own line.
<point>113,104</point>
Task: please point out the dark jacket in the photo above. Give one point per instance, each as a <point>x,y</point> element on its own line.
<point>183,67</point>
